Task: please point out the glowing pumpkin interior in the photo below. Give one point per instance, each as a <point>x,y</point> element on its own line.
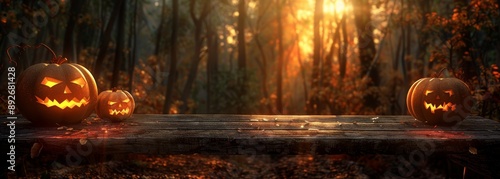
<point>439,100</point>
<point>66,94</point>
<point>119,107</point>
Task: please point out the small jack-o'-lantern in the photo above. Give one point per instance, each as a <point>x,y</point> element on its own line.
<point>439,101</point>
<point>56,93</point>
<point>115,105</point>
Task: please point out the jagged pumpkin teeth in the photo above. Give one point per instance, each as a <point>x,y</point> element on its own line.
<point>119,112</point>
<point>444,107</point>
<point>64,104</point>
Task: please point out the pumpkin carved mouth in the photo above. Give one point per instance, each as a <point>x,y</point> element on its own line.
<point>445,106</point>
<point>64,104</point>
<point>119,112</point>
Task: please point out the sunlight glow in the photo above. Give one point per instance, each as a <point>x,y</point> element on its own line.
<point>330,7</point>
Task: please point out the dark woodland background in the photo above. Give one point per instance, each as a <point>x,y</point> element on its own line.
<point>264,56</point>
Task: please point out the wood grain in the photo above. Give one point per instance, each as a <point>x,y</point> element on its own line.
<point>261,134</point>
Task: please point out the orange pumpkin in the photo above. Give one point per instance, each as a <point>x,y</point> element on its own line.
<point>115,105</point>
<point>56,93</point>
<point>439,101</point>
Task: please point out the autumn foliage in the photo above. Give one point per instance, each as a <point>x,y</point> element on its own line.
<point>265,56</point>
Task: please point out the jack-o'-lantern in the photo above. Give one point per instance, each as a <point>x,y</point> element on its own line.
<point>115,105</point>
<point>439,101</point>
<point>56,93</point>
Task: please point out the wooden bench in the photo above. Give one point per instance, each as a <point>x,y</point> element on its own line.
<point>475,142</point>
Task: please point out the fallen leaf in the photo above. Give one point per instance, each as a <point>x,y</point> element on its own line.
<point>36,149</point>
<point>473,150</point>
<point>83,141</point>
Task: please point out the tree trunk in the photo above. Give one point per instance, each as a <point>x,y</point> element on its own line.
<point>343,51</point>
<point>299,56</point>
<point>195,61</point>
<point>313,103</point>
<point>265,91</point>
<point>105,38</point>
<point>327,69</point>
<point>133,55</point>
<point>212,66</point>
<point>70,29</point>
<point>407,44</point>
<point>172,75</point>
<point>423,36</point>
<point>301,65</point>
<point>242,77</point>
<point>262,10</point>
<point>328,66</point>
<point>120,41</point>
<point>366,46</point>
<point>318,16</point>
<point>160,29</point>
<point>279,76</point>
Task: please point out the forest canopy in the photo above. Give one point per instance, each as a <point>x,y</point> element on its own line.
<point>264,56</point>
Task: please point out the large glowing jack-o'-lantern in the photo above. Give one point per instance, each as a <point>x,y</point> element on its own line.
<point>115,105</point>
<point>439,101</point>
<point>56,93</point>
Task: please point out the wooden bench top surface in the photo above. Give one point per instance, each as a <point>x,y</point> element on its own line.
<point>261,134</point>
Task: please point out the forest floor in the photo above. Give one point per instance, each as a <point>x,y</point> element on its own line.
<point>233,166</point>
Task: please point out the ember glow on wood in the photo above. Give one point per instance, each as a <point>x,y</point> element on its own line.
<point>157,134</point>
<point>223,134</point>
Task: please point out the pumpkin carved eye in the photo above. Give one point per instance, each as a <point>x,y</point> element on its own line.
<point>450,92</point>
<point>50,82</point>
<point>427,92</point>
<point>126,100</point>
<point>111,103</point>
<point>79,81</point>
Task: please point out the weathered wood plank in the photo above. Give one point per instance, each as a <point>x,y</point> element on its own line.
<point>382,124</point>
<point>230,134</point>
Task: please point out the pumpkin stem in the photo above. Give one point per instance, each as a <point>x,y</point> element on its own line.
<point>114,89</point>
<point>18,46</point>
<point>59,60</point>
<point>438,74</point>
<point>55,59</point>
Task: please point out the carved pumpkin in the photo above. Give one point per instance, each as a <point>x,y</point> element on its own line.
<point>439,101</point>
<point>115,105</point>
<point>56,93</point>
